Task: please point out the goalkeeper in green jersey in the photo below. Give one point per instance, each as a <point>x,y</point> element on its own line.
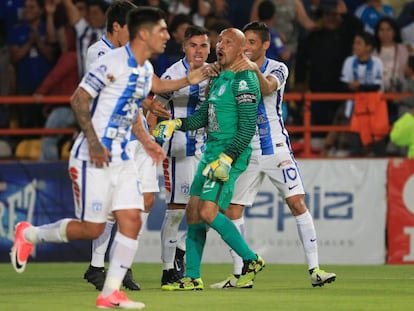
<point>229,114</point>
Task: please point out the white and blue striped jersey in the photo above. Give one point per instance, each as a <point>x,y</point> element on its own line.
<point>97,50</point>
<point>271,131</point>
<point>85,37</point>
<point>181,104</point>
<point>118,85</point>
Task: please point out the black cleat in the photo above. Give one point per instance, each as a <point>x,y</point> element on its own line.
<point>129,281</point>
<point>96,276</point>
<point>169,276</point>
<point>179,264</point>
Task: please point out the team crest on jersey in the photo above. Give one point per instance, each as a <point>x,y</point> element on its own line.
<point>110,77</point>
<point>185,188</point>
<point>96,206</point>
<point>243,85</point>
<point>221,90</point>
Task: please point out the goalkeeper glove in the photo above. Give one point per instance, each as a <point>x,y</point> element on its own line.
<point>219,169</point>
<point>164,130</point>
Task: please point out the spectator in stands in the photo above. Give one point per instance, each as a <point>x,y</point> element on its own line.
<point>61,80</point>
<point>11,12</point>
<point>89,28</point>
<point>407,31</point>
<point>174,49</point>
<point>321,55</point>
<point>371,12</point>
<point>362,72</point>
<point>162,4</point>
<point>196,10</point>
<point>215,27</point>
<point>235,11</point>
<point>394,57</point>
<point>352,5</point>
<point>406,15</point>
<point>276,50</point>
<point>289,14</point>
<point>32,52</point>
<point>402,133</point>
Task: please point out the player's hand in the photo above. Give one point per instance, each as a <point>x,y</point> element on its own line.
<point>219,169</point>
<point>156,107</point>
<point>195,76</point>
<point>165,129</point>
<point>99,155</point>
<point>155,151</point>
<point>244,64</point>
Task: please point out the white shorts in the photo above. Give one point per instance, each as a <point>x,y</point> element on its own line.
<point>99,191</point>
<point>281,169</point>
<point>178,176</point>
<point>147,170</point>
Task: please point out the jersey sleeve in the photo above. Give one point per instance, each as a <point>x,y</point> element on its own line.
<point>347,74</point>
<point>246,92</point>
<point>280,72</point>
<point>97,77</point>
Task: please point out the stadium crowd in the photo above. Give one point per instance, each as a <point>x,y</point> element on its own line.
<point>43,47</point>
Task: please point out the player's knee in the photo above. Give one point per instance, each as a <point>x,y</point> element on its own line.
<point>296,204</point>
<point>234,211</point>
<point>94,230</point>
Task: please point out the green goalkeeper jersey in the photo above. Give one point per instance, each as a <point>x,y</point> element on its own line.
<point>229,113</point>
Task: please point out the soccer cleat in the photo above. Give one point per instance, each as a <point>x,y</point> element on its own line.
<point>179,265</point>
<point>320,277</point>
<point>169,277</point>
<point>249,271</point>
<point>230,282</point>
<point>129,281</point>
<point>118,300</point>
<point>96,276</point>
<point>185,284</point>
<point>21,249</point>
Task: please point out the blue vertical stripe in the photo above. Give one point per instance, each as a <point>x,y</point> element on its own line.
<point>83,194</point>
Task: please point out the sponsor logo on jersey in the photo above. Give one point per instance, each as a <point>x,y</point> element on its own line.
<point>246,98</point>
<point>243,85</point>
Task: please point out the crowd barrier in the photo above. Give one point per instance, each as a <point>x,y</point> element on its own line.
<point>363,211</point>
<point>306,129</point>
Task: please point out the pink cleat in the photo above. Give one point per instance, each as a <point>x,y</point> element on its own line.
<point>118,300</point>
<point>21,249</point>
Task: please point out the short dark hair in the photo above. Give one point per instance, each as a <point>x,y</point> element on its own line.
<point>102,4</point>
<point>179,20</point>
<point>366,37</point>
<point>266,10</point>
<point>260,29</point>
<point>141,17</point>
<point>194,30</point>
<point>117,12</point>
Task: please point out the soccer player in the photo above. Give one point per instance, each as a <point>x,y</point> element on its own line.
<point>103,175</point>
<point>272,157</point>
<point>116,35</point>
<point>229,115</point>
<point>183,150</point>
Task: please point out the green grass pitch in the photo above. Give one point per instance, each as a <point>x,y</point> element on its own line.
<point>60,287</point>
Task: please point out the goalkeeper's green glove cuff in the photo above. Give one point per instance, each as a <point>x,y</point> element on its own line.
<point>219,169</point>
<point>165,129</point>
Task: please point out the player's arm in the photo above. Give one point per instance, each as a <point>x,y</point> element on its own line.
<point>267,84</point>
<point>165,129</point>
<point>151,147</point>
<point>80,105</point>
<point>247,102</point>
<point>195,76</point>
